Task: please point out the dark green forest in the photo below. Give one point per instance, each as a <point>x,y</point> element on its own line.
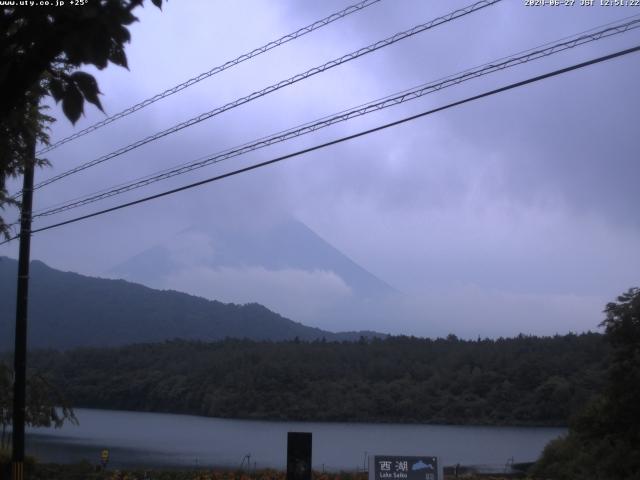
<point>516,381</point>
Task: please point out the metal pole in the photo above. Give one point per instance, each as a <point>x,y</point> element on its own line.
<point>20,352</point>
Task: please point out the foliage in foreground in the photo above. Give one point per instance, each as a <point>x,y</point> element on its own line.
<point>603,442</point>
<point>86,471</point>
<point>46,406</point>
<point>41,48</point>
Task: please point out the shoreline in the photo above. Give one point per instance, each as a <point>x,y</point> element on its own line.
<point>333,422</point>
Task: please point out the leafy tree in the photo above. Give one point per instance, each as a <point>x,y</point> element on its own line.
<point>49,42</point>
<point>19,129</point>
<point>41,49</point>
<point>604,439</point>
<point>46,406</point>
<point>623,333</point>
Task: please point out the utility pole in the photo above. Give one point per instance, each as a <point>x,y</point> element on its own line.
<point>20,351</point>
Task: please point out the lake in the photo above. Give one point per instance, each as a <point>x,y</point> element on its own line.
<point>154,439</point>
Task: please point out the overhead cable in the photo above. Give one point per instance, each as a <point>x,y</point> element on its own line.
<point>342,139</point>
<point>220,68</point>
<point>392,100</point>
<point>277,86</point>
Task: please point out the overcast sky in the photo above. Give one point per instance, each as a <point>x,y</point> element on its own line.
<point>516,213</point>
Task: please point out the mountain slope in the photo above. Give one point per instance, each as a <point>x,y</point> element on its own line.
<point>287,244</point>
<point>278,262</point>
<point>69,310</point>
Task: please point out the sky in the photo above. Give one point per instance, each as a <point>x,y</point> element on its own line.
<point>517,213</point>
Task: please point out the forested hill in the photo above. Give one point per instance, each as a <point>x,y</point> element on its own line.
<point>70,310</point>
<point>518,381</point>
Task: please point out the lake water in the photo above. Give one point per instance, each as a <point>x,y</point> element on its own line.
<point>153,439</point>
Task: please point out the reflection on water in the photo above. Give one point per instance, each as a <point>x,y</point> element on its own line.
<point>153,439</point>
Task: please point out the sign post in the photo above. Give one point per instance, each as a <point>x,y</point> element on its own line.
<point>401,467</point>
<point>104,458</point>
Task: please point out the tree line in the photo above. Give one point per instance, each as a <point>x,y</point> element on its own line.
<point>516,381</point>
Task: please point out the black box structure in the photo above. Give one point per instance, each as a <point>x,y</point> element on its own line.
<point>298,456</point>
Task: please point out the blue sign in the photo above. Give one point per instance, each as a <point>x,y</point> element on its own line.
<point>387,467</point>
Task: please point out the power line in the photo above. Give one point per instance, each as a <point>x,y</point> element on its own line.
<point>220,68</point>
<point>277,86</point>
<point>579,38</point>
<point>389,101</point>
<point>343,139</point>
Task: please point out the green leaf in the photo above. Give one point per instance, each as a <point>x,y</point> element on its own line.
<point>124,16</point>
<point>103,49</point>
<point>120,34</point>
<point>72,103</point>
<point>56,89</point>
<point>118,56</point>
<point>88,86</point>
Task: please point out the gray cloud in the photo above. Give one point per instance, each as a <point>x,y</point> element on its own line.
<point>512,214</point>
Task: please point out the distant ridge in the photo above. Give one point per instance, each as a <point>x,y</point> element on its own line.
<point>278,262</point>
<point>285,244</point>
<point>69,310</point>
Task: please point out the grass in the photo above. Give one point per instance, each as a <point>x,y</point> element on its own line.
<point>87,471</point>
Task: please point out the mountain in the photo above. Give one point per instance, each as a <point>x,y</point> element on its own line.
<point>285,244</point>
<point>69,310</point>
<point>282,264</point>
